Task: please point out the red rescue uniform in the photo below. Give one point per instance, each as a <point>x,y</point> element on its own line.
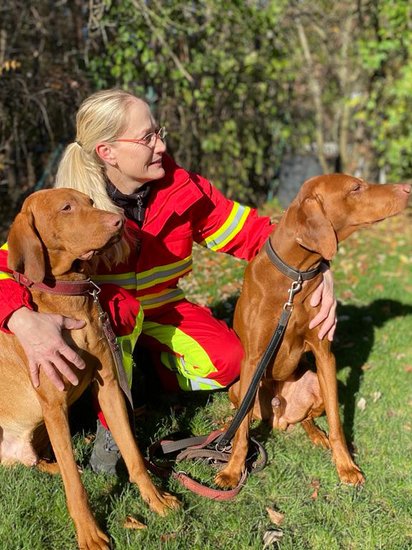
<point>189,347</point>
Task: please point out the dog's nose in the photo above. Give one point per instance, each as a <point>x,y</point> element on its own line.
<point>116,221</point>
<point>119,222</point>
<point>406,188</point>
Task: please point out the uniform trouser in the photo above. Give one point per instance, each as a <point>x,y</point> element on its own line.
<point>189,348</point>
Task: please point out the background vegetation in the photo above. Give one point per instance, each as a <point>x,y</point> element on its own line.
<point>241,85</point>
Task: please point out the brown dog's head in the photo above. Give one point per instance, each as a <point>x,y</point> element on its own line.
<point>329,208</point>
<point>54,228</point>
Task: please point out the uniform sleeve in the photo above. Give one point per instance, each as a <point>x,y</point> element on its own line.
<point>226,226</point>
<point>12,295</point>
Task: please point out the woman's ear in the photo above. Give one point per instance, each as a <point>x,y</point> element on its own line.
<point>106,153</point>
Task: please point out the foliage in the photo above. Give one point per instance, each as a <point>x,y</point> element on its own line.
<point>386,52</point>
<point>220,83</point>
<point>240,85</point>
<point>41,83</point>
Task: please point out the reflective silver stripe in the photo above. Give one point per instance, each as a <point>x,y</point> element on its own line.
<point>163,273</point>
<point>165,297</point>
<point>126,280</point>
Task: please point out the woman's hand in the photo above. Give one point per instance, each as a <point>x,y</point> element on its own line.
<point>324,296</point>
<point>40,335</point>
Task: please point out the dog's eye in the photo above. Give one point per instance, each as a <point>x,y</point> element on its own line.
<point>67,208</point>
<point>356,187</point>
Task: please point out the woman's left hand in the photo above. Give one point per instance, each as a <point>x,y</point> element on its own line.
<point>324,296</point>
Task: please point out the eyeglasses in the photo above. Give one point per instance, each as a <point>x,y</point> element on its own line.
<point>149,140</point>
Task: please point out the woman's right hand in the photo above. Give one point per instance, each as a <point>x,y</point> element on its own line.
<point>40,335</point>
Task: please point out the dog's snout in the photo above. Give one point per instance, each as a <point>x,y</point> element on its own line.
<point>405,187</point>
<point>115,221</point>
<point>118,222</point>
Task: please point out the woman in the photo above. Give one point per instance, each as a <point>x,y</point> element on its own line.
<point>119,159</point>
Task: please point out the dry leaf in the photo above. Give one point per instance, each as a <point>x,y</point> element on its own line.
<point>168,536</point>
<point>275,517</point>
<point>361,404</point>
<point>376,395</point>
<point>407,368</point>
<point>133,523</point>
<point>315,483</point>
<point>271,536</point>
<point>366,366</point>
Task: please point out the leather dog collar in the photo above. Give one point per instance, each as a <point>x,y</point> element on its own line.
<point>290,272</point>
<point>64,288</point>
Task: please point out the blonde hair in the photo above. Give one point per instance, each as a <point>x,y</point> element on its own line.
<point>101,117</point>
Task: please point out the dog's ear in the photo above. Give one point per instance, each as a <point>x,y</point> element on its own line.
<point>25,248</point>
<point>314,230</point>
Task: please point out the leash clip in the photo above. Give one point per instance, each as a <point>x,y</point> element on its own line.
<point>294,289</point>
<point>96,291</point>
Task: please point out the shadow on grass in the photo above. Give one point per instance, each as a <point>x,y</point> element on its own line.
<point>354,340</point>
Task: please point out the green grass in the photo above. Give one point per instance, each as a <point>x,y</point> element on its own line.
<point>373,274</point>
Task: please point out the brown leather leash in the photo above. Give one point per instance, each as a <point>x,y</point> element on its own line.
<point>216,446</point>
<point>201,448</point>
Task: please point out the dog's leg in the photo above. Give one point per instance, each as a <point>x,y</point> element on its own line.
<point>326,368</point>
<point>231,474</point>
<point>315,434</point>
<point>112,403</point>
<point>89,536</point>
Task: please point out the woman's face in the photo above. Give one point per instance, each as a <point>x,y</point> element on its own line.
<point>129,165</point>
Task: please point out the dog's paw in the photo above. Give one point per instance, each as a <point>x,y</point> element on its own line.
<point>321,440</point>
<point>351,475</point>
<point>93,540</point>
<point>227,480</point>
<point>162,503</point>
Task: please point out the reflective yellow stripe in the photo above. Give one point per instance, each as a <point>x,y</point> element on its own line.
<point>163,273</point>
<point>232,226</point>
<point>127,344</point>
<point>150,301</point>
<point>187,381</point>
<point>149,278</point>
<point>187,357</point>
<point>3,274</point>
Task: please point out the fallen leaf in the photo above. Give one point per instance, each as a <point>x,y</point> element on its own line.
<point>407,368</point>
<point>315,483</point>
<point>168,536</point>
<point>361,404</point>
<point>271,536</point>
<point>275,517</point>
<point>376,395</point>
<point>366,366</point>
<point>133,523</point>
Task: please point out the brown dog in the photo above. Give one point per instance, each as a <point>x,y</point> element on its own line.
<point>326,210</point>
<point>54,229</point>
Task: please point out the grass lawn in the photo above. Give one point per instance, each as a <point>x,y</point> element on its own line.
<point>373,274</point>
